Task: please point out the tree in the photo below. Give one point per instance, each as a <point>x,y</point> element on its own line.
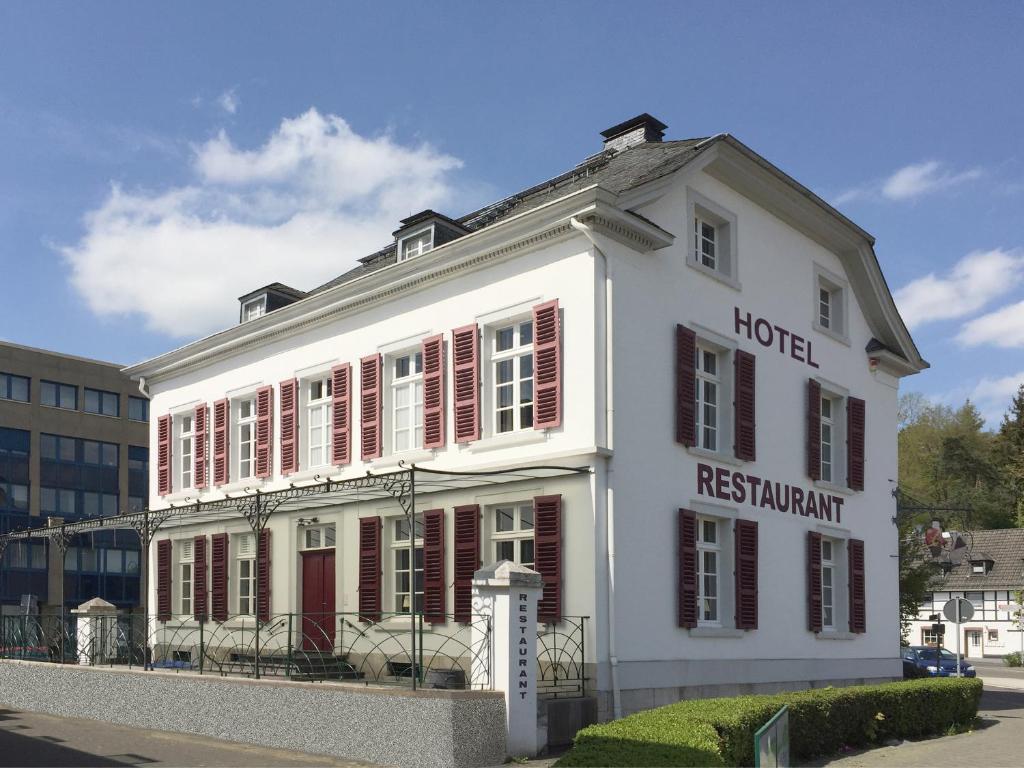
<point>1010,453</point>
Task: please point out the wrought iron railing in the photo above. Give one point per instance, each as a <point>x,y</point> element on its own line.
<point>561,658</point>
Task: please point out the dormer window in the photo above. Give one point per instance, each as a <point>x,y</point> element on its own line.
<point>417,244</point>
<point>254,308</point>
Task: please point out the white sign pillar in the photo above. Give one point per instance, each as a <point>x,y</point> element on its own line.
<point>509,593</point>
<point>97,620</point>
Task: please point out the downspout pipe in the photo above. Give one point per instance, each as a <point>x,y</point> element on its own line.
<point>609,442</point>
<point>143,387</point>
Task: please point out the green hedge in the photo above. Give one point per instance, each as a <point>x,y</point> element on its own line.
<point>712,732</point>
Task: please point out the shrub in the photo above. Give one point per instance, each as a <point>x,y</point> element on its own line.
<point>1013,659</point>
<point>717,732</point>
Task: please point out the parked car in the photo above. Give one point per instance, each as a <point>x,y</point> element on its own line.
<point>922,661</point>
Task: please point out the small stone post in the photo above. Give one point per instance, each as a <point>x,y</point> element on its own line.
<point>97,619</point>
<point>508,593</point>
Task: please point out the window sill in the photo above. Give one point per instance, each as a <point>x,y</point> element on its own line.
<point>241,622</point>
<point>191,494</point>
<point>834,487</point>
<point>842,338</point>
<point>507,440</point>
<point>92,413</point>
<point>716,632</point>
<point>832,635</point>
<point>704,453</point>
<point>240,485</point>
<point>323,473</point>
<point>395,624</point>
<point>714,274</point>
<point>60,408</point>
<point>409,457</point>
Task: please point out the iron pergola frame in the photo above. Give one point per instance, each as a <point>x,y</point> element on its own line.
<point>257,506</point>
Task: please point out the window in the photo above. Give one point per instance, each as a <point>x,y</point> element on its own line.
<point>408,582</point>
<point>96,504</point>
<point>94,452</point>
<point>407,402</point>
<point>704,243</point>
<point>185,571</point>
<point>62,502</point>
<point>825,308</point>
<point>16,495</point>
<point>513,533</point>
<point>246,438</point>
<point>977,600</point>
<point>709,551</point>
<point>707,390</point>
<point>415,245</point>
<point>13,387</point>
<point>929,637</point>
<point>829,303</point>
<point>993,635</point>
<point>138,458</point>
<point>254,308</point>
<point>247,574</point>
<point>512,365</point>
<point>136,503</point>
<point>318,537</point>
<point>185,436</point>
<point>827,439</point>
<point>57,395</point>
<point>138,408</point>
<point>101,402</point>
<point>318,411</point>
<point>828,575</point>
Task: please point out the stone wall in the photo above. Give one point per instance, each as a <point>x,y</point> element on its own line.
<point>389,726</point>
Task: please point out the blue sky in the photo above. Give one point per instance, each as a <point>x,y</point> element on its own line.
<point>160,160</point>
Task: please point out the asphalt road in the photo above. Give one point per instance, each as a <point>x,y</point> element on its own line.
<point>32,739</point>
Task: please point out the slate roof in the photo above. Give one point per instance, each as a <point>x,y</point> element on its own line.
<point>1005,548</point>
<point>615,171</point>
<point>285,290</point>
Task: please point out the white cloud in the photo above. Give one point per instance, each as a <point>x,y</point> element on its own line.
<point>975,280</point>
<point>229,101</point>
<point>910,182</point>
<point>1002,328</point>
<point>993,396</point>
<point>299,209</point>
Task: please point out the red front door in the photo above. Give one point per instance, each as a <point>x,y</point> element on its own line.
<point>318,600</point>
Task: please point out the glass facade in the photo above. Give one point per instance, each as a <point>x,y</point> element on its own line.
<point>78,478</point>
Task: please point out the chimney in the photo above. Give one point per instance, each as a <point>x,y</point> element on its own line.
<point>634,131</point>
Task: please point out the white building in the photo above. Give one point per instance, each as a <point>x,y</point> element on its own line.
<point>991,576</point>
<point>716,343</point>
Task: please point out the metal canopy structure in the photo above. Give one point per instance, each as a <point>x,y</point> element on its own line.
<point>256,507</point>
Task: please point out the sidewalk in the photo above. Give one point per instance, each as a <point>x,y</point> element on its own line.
<point>997,742</point>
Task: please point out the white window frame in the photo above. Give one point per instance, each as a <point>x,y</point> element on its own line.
<point>704,381</point>
<point>929,636</point>
<point>318,409</point>
<point>416,243</point>
<point>411,385</point>
<point>516,535</point>
<point>516,353</point>
<point>828,565</point>
<point>254,309</point>
<point>827,438</point>
<point>838,291</point>
<point>705,548</point>
<point>701,226</point>
<point>701,210</point>
<point>315,537</point>
<point>397,546</point>
<point>239,423</point>
<point>838,396</point>
<point>186,576</point>
<point>245,572</point>
<point>186,468</point>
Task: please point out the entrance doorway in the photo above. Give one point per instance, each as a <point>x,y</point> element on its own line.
<point>974,647</point>
<point>318,600</point>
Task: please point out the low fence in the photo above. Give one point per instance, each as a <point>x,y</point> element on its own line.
<point>395,649</point>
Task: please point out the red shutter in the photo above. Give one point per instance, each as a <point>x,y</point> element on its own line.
<point>467,558</point>
<point>369,568</point>
<point>289,393</point>
<point>163,455</point>
<point>687,587</point>
<point>547,545</point>
<point>163,580</point>
<point>813,581</point>
<point>341,414</point>
<point>221,453</point>
<point>813,429</point>
<point>745,541</point>
<point>855,443</point>
<point>466,369</point>
<point>199,464</point>
<point>433,392</point>
<point>263,576</point>
<point>434,586</point>
<point>686,386</point>
<point>745,442</point>
<point>265,432</point>
<point>370,406</point>
<point>547,362</point>
<point>219,576</point>
<point>199,593</point>
<point>858,608</point>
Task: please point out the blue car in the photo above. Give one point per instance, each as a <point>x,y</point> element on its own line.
<point>921,661</point>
